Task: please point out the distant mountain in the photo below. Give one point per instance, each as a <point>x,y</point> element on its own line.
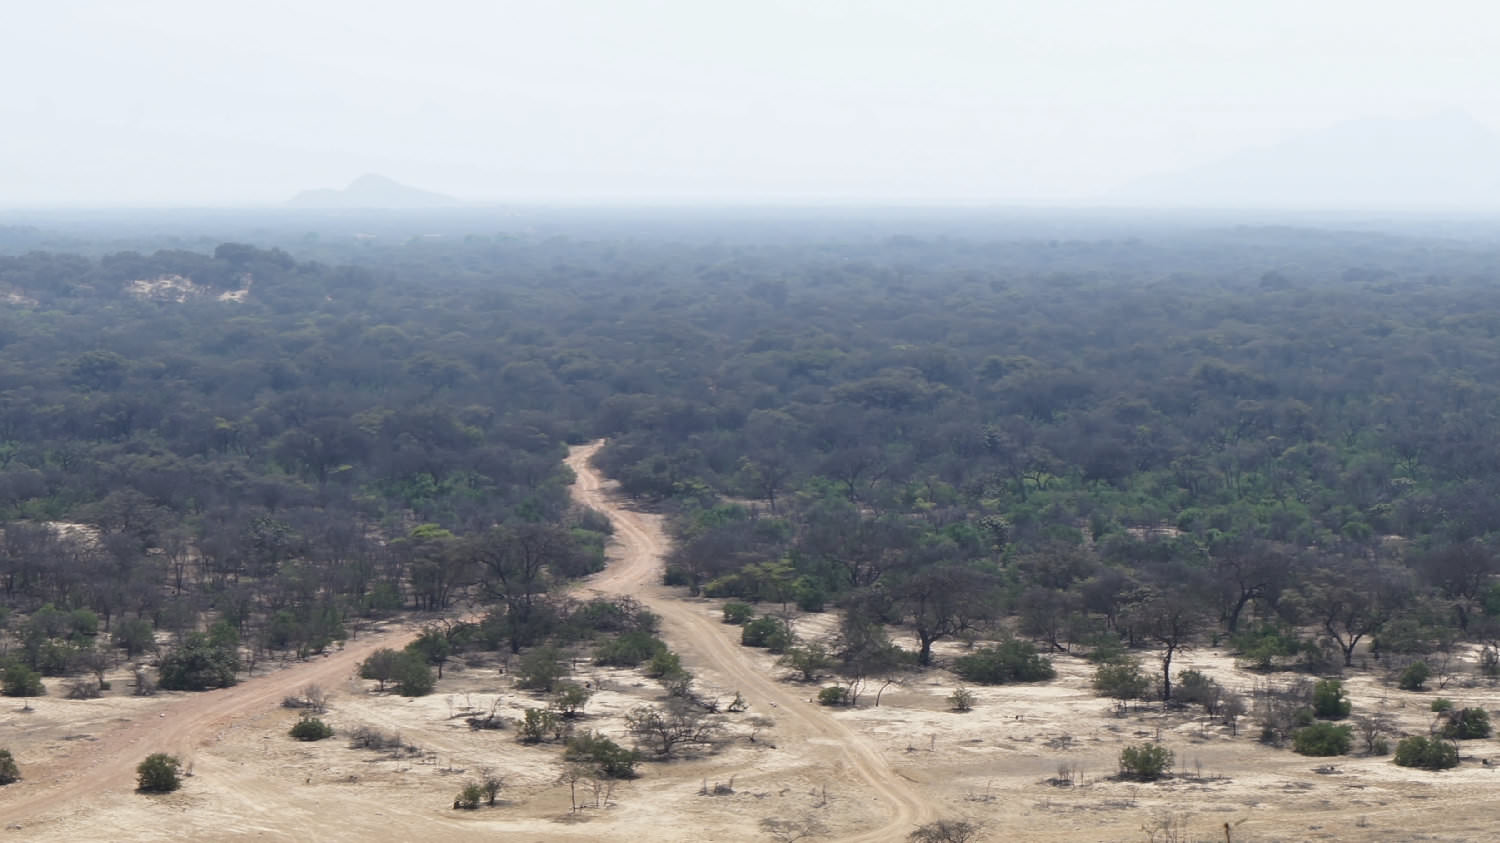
<point>1444,161</point>
<point>373,191</point>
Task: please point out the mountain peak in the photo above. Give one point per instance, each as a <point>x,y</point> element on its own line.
<point>373,190</point>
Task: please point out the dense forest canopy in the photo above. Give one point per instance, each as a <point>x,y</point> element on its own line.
<point>936,420</point>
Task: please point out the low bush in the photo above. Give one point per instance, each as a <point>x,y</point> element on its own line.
<point>833,695</point>
<point>1426,753</point>
<point>1198,688</point>
<point>1145,762</point>
<point>1329,701</point>
<point>1121,680</point>
<point>1442,705</point>
<point>961,700</point>
<point>158,774</point>
<point>9,772</point>
<point>738,613</point>
<point>22,681</point>
<point>1467,724</point>
<point>469,798</point>
<point>1414,677</point>
<point>629,649</point>
<point>768,632</point>
<point>1009,661</point>
<point>536,725</point>
<point>311,729</point>
<point>609,758</point>
<point>1323,739</point>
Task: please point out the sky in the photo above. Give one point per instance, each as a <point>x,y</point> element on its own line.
<point>574,101</point>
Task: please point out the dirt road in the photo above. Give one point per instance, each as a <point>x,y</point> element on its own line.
<point>92,768</point>
<point>641,545</point>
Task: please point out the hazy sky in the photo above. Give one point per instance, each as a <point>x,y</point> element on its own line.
<point>187,101</point>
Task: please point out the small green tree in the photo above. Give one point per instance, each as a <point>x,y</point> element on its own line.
<point>961,700</point>
<point>738,613</point>
<point>22,681</point>
<point>1121,681</point>
<point>1414,677</point>
<point>134,636</point>
<point>158,774</point>
<point>9,772</point>
<point>433,647</point>
<point>570,698</point>
<point>1145,762</point>
<point>1467,724</point>
<point>470,796</point>
<point>310,728</point>
<point>413,675</point>
<point>1323,739</point>
<point>380,666</point>
<point>833,695</point>
<point>609,758</point>
<point>1426,753</point>
<point>541,669</point>
<point>1329,701</point>
<point>768,632</point>
<point>809,660</point>
<point>1009,661</point>
<point>198,665</point>
<point>1442,705</point>
<point>536,724</point>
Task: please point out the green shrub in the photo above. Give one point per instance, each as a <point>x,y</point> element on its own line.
<point>9,772</point>
<point>1260,649</point>
<point>833,695</point>
<point>311,729</point>
<point>158,774</point>
<point>1329,701</point>
<point>1414,678</point>
<point>609,758</point>
<point>738,613</point>
<point>1121,680</point>
<point>766,631</point>
<point>198,665</point>
<point>629,649</point>
<point>22,681</point>
<point>665,665</point>
<point>1145,762</point>
<point>469,797</point>
<point>413,675</point>
<point>570,698</point>
<point>1427,753</point>
<point>1442,705</point>
<point>1009,661</point>
<point>1467,724</point>
<point>1197,688</point>
<point>536,724</point>
<point>1323,739</point>
<point>961,700</point>
<point>541,669</point>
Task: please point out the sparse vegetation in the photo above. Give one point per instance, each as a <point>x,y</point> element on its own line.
<point>1145,762</point>
<point>1010,661</point>
<point>945,831</point>
<point>961,700</point>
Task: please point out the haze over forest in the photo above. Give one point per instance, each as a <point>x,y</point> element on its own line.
<point>178,103</point>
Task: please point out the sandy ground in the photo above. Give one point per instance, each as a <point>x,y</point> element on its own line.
<point>869,774</point>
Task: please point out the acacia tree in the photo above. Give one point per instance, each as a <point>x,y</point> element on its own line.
<point>1171,618</point>
<point>1250,572</point>
<point>1350,603</point>
<point>518,566</point>
<point>942,601</point>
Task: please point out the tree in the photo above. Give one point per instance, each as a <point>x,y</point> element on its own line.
<point>1010,661</point>
<point>518,566</point>
<point>1145,762</point>
<point>434,647</point>
<point>808,660</point>
<point>570,698</point>
<point>22,681</point>
<point>1323,739</point>
<point>1121,680</point>
<point>942,601</point>
<point>1348,603</point>
<point>310,728</point>
<point>945,831</point>
<point>380,666</point>
<point>665,730</point>
<point>412,675</point>
<point>9,772</point>
<point>198,665</point>
<point>1329,700</point>
<point>609,758</point>
<point>1427,753</point>
<point>134,636</point>
<point>158,774</point>
<point>1172,619</point>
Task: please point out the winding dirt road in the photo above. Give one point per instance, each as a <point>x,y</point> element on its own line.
<point>642,544</point>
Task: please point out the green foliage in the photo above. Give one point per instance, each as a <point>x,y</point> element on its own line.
<point>158,774</point>
<point>310,728</point>
<point>768,632</point>
<point>1323,739</point>
<point>380,666</point>
<point>1145,762</point>
<point>134,636</point>
<point>9,772</point>
<point>961,700</point>
<point>537,725</point>
<point>607,757</point>
<point>1426,753</point>
<point>470,796</point>
<point>412,675</point>
<point>1442,704</point>
<point>1264,648</point>
<point>833,695</point>
<point>198,665</point>
<point>1121,680</point>
<point>628,649</point>
<point>1013,660</point>
<point>808,660</point>
<point>1414,677</point>
<point>570,698</point>
<point>1467,724</point>
<point>1329,701</point>
<point>1197,688</point>
<point>21,681</point>
<point>738,613</point>
<point>541,669</point>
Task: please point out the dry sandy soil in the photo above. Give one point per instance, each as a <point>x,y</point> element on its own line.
<point>871,773</point>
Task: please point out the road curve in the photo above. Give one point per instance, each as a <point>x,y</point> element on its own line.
<point>641,546</point>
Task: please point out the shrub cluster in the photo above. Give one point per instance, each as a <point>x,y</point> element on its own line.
<point>1009,661</point>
